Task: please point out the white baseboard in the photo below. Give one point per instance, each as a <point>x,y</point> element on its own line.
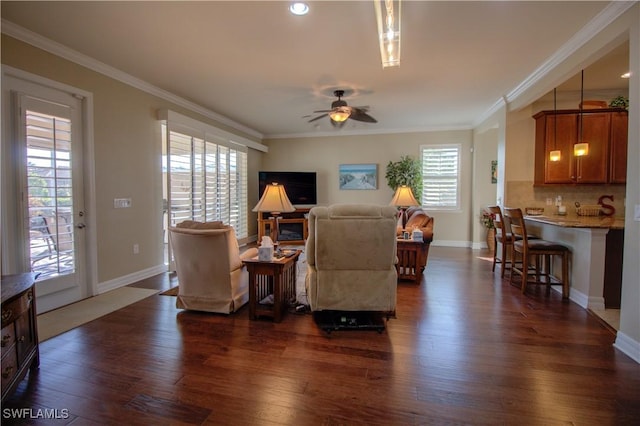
<point>451,243</point>
<point>131,278</point>
<point>628,346</point>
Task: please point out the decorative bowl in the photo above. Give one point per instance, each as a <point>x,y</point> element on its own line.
<point>534,211</point>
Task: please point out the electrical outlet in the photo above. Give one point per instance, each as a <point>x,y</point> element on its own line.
<point>636,213</point>
<point>136,249</point>
<point>549,201</point>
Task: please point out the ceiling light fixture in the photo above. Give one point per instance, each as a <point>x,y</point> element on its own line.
<point>626,75</point>
<point>581,148</point>
<point>340,114</point>
<point>388,13</point>
<point>555,154</point>
<point>299,8</point>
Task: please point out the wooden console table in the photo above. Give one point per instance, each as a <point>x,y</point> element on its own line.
<point>19,330</point>
<point>276,277</point>
<point>412,259</point>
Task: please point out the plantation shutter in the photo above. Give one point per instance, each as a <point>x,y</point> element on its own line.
<point>441,177</point>
<point>207,181</point>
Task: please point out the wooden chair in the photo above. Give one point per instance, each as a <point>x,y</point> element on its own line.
<point>502,236</point>
<point>538,252</point>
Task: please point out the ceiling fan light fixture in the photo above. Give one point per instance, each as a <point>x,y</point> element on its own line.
<point>388,14</point>
<point>340,114</point>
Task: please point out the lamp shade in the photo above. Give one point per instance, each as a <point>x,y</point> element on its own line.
<point>404,197</point>
<point>274,200</point>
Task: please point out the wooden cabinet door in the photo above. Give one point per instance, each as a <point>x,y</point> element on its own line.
<point>619,136</point>
<point>593,168</point>
<point>561,138</point>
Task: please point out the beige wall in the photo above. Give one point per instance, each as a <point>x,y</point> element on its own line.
<point>324,154</point>
<point>484,192</point>
<point>127,144</point>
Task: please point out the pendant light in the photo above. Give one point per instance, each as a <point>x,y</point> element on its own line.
<point>555,154</point>
<point>581,148</point>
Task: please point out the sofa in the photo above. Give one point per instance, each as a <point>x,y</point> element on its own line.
<point>351,256</point>
<point>417,218</point>
<point>211,276</point>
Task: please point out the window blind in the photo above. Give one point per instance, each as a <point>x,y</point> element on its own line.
<point>441,176</point>
<point>207,181</point>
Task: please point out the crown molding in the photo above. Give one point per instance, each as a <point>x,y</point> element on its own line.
<point>361,132</point>
<point>58,49</point>
<point>609,14</point>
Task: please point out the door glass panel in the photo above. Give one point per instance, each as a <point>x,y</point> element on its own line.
<point>49,189</point>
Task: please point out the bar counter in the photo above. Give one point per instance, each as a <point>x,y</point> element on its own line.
<point>574,221</point>
<point>586,237</point>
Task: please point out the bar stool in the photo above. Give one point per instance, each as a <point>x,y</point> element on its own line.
<point>536,250</point>
<point>504,237</point>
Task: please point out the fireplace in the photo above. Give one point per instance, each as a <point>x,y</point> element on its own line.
<point>290,231</point>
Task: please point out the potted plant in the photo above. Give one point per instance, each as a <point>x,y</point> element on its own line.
<point>407,171</point>
<point>487,219</point>
<point>619,102</point>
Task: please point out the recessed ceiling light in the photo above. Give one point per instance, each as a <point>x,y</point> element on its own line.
<point>299,8</point>
<point>626,75</point>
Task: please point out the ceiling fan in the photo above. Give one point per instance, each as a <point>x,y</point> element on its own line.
<point>340,112</point>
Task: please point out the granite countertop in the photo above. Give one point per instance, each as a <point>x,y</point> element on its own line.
<point>574,221</point>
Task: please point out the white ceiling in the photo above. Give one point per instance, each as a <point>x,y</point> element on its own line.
<point>265,69</point>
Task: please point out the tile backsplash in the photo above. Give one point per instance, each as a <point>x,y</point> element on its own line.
<point>523,194</point>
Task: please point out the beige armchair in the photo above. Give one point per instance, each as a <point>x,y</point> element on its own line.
<point>351,255</point>
<point>211,276</point>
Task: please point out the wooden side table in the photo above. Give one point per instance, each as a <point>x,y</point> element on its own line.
<point>276,277</point>
<point>412,258</point>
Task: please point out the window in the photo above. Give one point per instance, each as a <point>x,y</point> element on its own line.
<point>207,181</point>
<point>441,176</point>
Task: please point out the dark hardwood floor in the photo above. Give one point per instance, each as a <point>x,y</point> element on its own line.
<point>465,348</point>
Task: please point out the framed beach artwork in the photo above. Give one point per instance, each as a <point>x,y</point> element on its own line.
<point>358,176</point>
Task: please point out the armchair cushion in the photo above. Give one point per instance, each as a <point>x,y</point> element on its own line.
<point>192,224</point>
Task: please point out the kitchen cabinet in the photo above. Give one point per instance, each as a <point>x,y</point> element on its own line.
<point>619,138</point>
<point>604,129</point>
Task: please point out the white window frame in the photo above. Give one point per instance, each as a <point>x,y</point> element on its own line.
<point>429,176</point>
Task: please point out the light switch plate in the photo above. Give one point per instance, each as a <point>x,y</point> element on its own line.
<point>121,203</point>
<point>636,213</point>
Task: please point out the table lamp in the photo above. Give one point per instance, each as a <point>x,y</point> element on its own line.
<point>404,198</point>
<point>274,200</point>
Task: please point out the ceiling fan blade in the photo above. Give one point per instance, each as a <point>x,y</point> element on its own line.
<point>359,115</point>
<point>323,110</point>
<point>317,118</point>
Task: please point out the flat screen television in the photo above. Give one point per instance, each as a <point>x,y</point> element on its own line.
<point>300,186</point>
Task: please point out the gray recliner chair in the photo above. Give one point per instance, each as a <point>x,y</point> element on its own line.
<point>351,256</point>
